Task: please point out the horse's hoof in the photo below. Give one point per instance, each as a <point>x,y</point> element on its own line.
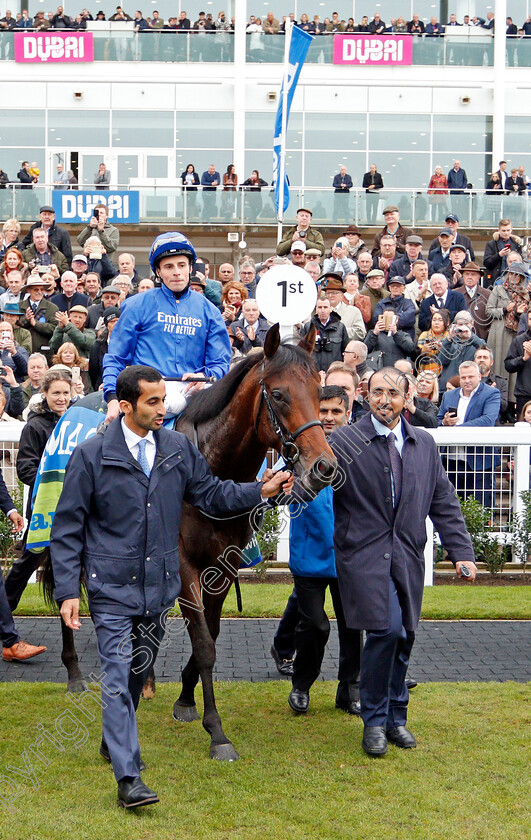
<point>148,692</point>
<point>223,752</point>
<point>76,687</point>
<point>184,714</point>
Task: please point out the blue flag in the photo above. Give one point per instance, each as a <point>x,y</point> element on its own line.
<point>298,50</point>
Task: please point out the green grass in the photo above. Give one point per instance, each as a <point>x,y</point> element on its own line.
<point>268,600</point>
<point>299,778</point>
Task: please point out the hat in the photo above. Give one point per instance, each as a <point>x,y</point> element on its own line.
<point>80,258</point>
<point>60,366</point>
<point>333,282</point>
<point>110,314</point>
<point>197,280</point>
<point>351,229</point>
<point>10,309</point>
<point>298,246</point>
<point>517,268</point>
<point>79,308</point>
<point>35,280</point>
<point>396,279</point>
<point>46,208</point>
<point>457,245</point>
<point>375,272</point>
<point>304,210</point>
<point>452,217</point>
<point>414,240</point>
<point>391,208</point>
<point>471,266</point>
<point>446,232</point>
<point>313,252</point>
<point>113,290</point>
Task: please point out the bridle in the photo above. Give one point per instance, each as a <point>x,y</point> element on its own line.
<point>289,450</point>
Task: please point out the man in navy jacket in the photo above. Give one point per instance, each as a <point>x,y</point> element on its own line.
<point>118,518</point>
<point>473,404</point>
<point>441,298</point>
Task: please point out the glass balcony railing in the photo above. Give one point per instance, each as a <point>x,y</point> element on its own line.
<point>215,47</point>
<point>172,205</point>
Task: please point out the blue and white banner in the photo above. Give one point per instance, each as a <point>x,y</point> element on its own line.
<point>78,205</point>
<point>298,50</point>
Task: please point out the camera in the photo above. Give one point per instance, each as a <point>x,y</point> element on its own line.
<point>42,269</point>
<point>322,343</point>
<point>302,234</point>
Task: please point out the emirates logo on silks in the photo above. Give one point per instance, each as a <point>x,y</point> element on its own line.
<point>179,324</point>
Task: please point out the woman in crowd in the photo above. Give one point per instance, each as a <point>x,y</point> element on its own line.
<point>68,355</point>
<point>11,231</point>
<point>234,294</point>
<point>429,342</point>
<point>305,24</point>
<point>98,259</point>
<point>41,422</point>
<point>230,185</point>
<point>12,262</point>
<point>438,189</point>
<point>254,185</point>
<point>230,179</point>
<point>400,25</point>
<point>353,298</point>
<point>190,181</point>
<point>428,386</point>
<point>507,302</point>
<point>494,191</point>
<point>525,414</point>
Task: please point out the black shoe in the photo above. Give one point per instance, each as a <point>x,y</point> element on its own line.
<point>402,737</point>
<point>347,699</point>
<point>299,700</point>
<point>411,682</point>
<point>132,793</point>
<point>284,666</point>
<point>104,752</point>
<point>374,741</point>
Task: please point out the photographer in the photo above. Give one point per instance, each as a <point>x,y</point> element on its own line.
<point>302,231</point>
<point>460,346</point>
<point>13,356</point>
<point>100,226</point>
<point>340,262</point>
<point>332,336</point>
<point>44,253</point>
<point>97,259</point>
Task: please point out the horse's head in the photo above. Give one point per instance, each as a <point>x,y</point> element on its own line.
<point>287,416</point>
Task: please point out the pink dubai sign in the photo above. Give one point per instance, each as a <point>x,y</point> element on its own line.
<point>43,47</point>
<point>373,49</point>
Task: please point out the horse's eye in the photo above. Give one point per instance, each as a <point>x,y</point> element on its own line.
<point>277,395</point>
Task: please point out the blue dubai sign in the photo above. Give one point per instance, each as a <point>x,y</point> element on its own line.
<point>78,205</point>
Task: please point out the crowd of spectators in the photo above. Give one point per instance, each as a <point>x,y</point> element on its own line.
<point>268,25</point>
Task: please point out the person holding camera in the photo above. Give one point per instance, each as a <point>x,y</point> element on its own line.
<point>302,231</point>
<point>98,260</point>
<point>340,262</point>
<point>460,346</point>
<point>12,354</point>
<point>44,253</point>
<point>100,226</point>
<point>332,337</point>
<point>430,341</point>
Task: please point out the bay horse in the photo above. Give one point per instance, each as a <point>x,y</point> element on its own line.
<point>268,400</point>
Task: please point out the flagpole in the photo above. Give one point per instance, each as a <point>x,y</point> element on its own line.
<point>282,168</point>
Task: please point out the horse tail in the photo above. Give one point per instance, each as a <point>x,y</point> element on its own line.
<point>48,582</point>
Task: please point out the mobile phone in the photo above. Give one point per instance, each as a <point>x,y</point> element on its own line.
<point>76,374</point>
<point>3,371</point>
<point>5,335</point>
<point>452,411</point>
<point>465,572</point>
<point>96,213</point>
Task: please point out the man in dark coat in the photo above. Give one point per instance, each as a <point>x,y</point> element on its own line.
<point>452,223</point>
<point>399,305</point>
<point>518,360</point>
<point>497,249</point>
<point>476,298</point>
<point>132,573</point>
<point>332,336</point>
<point>38,315</point>
<point>442,298</point>
<point>389,486</point>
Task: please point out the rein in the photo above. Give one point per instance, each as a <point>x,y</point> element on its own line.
<point>289,450</point>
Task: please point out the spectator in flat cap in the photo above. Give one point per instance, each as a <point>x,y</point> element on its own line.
<point>302,230</point>
<point>71,328</point>
<point>404,265</point>
<point>57,235</point>
<point>391,216</point>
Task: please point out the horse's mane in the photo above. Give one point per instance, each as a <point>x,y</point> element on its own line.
<point>209,403</point>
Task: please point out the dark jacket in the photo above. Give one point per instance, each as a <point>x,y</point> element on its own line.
<point>376,542</point>
<point>244,346</point>
<point>104,267</point>
<point>402,266</point>
<point>132,571</point>
<point>455,302</point>
<point>457,181</point>
<point>483,410</point>
<point>339,180</point>
<point>26,180</point>
<point>404,308</point>
<point>45,323</point>
<point>452,353</point>
<point>401,234</point>
<point>57,235</point>
<point>196,181</point>
<point>514,363</point>
<point>491,258</point>
<point>56,256</point>
<point>477,306</point>
<point>400,345</point>
<point>33,438</point>
<point>375,179</point>
<point>425,414</point>
<point>65,304</point>
<point>502,384</point>
<point>330,341</point>
<point>97,352</point>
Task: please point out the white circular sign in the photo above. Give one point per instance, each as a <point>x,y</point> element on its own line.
<point>286,295</point>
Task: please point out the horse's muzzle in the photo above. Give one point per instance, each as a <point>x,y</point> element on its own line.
<point>321,473</point>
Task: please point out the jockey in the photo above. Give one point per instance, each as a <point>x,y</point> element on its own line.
<point>171,328</point>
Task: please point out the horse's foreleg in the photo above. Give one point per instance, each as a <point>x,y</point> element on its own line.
<point>76,682</point>
<point>184,708</point>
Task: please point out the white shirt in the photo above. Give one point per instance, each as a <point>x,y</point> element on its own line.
<point>132,440</point>
<point>462,406</point>
<point>441,297</point>
<point>383,429</point>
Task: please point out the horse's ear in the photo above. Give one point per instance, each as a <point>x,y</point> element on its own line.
<point>308,342</point>
<point>272,341</point>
